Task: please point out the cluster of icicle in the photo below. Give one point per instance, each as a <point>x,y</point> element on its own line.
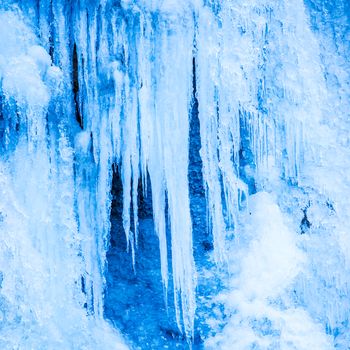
<point>133,68</point>
<point>51,276</point>
<point>241,86</point>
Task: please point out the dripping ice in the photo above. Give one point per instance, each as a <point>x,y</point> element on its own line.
<point>91,91</point>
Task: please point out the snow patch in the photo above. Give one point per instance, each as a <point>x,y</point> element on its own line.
<point>261,314</point>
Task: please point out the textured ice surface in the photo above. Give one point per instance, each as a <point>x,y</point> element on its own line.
<point>41,263</point>
<point>201,148</point>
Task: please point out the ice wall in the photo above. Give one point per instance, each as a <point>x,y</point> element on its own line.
<point>87,86</point>
<point>44,253</point>
<point>293,106</point>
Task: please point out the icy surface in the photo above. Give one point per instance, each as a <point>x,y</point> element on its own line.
<point>41,298</point>
<point>194,155</point>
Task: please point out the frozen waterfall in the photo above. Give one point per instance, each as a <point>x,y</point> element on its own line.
<point>174,174</point>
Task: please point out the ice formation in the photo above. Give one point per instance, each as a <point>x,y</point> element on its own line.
<point>92,87</point>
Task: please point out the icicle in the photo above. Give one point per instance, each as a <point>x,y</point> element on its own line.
<point>156,122</point>
<point>218,81</point>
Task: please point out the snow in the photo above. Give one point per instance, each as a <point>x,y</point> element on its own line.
<point>273,259</point>
<point>20,63</point>
<point>263,316</point>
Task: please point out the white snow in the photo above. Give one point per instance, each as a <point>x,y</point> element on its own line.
<point>262,314</point>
